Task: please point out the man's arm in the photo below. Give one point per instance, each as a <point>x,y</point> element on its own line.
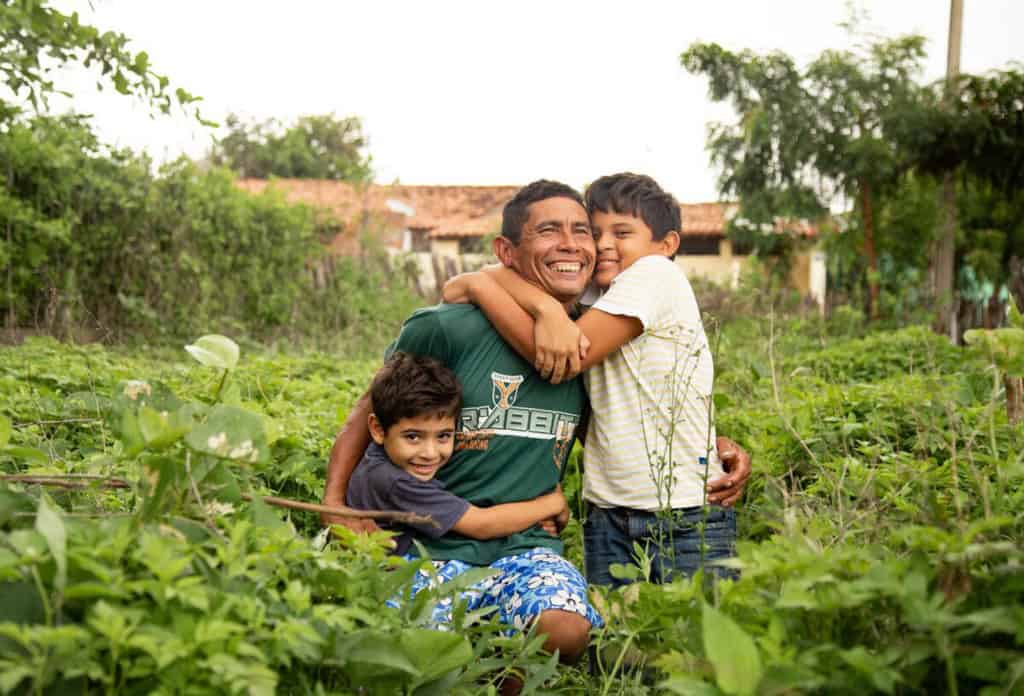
<point>348,449</point>
<point>503,520</point>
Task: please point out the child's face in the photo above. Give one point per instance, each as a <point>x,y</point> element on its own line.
<point>419,445</point>
<point>621,240</point>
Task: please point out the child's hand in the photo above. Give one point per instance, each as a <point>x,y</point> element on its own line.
<point>457,289</point>
<point>557,342</point>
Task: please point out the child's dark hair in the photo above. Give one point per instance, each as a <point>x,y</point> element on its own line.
<point>637,195</point>
<point>410,386</point>
<point>516,212</point>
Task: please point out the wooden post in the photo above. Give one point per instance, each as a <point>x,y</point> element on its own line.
<point>943,261</point>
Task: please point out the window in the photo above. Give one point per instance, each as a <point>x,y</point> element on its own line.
<point>691,245</point>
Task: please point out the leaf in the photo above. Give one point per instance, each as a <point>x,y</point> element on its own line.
<point>231,433</point>
<point>214,350</point>
<point>28,454</point>
<point>5,431</point>
<point>732,652</point>
<point>688,686</point>
<point>50,524</point>
<point>435,652</point>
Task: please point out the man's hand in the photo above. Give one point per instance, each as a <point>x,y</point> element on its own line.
<point>557,341</point>
<point>726,490</point>
<point>359,525</point>
<point>554,525</point>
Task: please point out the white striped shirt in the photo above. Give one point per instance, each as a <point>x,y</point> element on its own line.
<point>651,440</point>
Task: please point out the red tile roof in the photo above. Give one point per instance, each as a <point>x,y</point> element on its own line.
<point>442,211</point>
<point>451,212</point>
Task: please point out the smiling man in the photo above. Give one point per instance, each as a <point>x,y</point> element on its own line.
<point>515,429</point>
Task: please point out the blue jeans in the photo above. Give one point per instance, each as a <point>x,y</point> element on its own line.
<point>673,544</point>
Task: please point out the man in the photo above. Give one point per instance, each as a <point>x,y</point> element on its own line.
<point>516,428</point>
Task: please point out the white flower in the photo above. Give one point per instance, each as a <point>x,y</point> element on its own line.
<point>134,387</point>
<point>218,443</point>
<point>217,508</point>
<point>244,450</point>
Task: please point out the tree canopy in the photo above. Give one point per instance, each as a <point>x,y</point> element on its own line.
<point>806,139</point>
<point>36,39</point>
<point>316,147</point>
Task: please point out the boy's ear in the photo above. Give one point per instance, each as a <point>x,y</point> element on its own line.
<point>503,249</point>
<point>670,243</point>
<point>376,430</point>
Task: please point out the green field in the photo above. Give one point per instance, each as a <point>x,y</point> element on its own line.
<point>880,533</point>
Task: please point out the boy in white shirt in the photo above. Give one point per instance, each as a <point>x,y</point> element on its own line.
<point>650,444</point>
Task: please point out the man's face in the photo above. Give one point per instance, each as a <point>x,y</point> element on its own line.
<point>556,249</point>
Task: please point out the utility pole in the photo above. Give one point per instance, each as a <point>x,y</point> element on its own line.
<point>943,261</point>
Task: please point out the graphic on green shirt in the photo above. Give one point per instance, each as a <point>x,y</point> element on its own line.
<point>515,429</point>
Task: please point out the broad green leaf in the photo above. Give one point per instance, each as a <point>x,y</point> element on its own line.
<point>214,350</point>
<point>50,524</point>
<point>435,652</point>
<point>5,431</point>
<point>732,652</point>
<point>688,686</point>
<point>11,675</point>
<point>231,433</point>
<point>30,454</point>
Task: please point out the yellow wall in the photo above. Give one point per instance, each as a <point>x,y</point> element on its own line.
<point>445,248</point>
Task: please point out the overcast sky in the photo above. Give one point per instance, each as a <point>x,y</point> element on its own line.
<point>492,92</point>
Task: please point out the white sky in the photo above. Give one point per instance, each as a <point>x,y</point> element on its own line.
<point>491,92</point>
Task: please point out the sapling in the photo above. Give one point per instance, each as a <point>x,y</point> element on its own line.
<point>1005,348</point>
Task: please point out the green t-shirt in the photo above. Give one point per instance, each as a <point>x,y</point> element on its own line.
<point>515,430</point>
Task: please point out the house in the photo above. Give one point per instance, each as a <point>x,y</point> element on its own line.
<point>440,220</point>
<point>444,229</point>
<point>706,251</point>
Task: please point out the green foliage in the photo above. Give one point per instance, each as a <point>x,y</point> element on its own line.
<point>878,547</point>
<point>90,237</point>
<point>35,39</point>
<point>177,584</point>
<point>803,139</point>
<point>316,147</point>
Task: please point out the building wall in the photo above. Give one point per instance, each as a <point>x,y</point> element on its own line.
<point>724,269</point>
<point>806,275</point>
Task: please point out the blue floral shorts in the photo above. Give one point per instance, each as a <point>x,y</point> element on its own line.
<point>524,586</point>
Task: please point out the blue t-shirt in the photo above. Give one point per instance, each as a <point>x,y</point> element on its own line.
<point>378,484</point>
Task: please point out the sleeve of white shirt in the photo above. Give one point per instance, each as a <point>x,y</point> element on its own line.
<point>643,290</point>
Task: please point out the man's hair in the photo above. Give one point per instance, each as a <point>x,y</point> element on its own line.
<point>517,210</point>
<point>410,386</point>
<point>637,195</point>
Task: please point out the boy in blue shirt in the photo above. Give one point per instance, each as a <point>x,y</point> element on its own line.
<point>415,401</point>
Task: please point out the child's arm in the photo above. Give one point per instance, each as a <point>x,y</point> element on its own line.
<point>503,520</point>
<point>537,326</point>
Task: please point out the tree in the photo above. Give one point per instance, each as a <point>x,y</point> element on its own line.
<point>978,135</point>
<point>316,147</point>
<point>806,140</point>
<point>35,39</point>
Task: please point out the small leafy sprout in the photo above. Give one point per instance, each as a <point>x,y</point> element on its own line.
<point>214,350</point>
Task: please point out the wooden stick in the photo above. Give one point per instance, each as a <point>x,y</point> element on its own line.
<point>341,511</point>
<point>69,481</point>
<point>88,481</point>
